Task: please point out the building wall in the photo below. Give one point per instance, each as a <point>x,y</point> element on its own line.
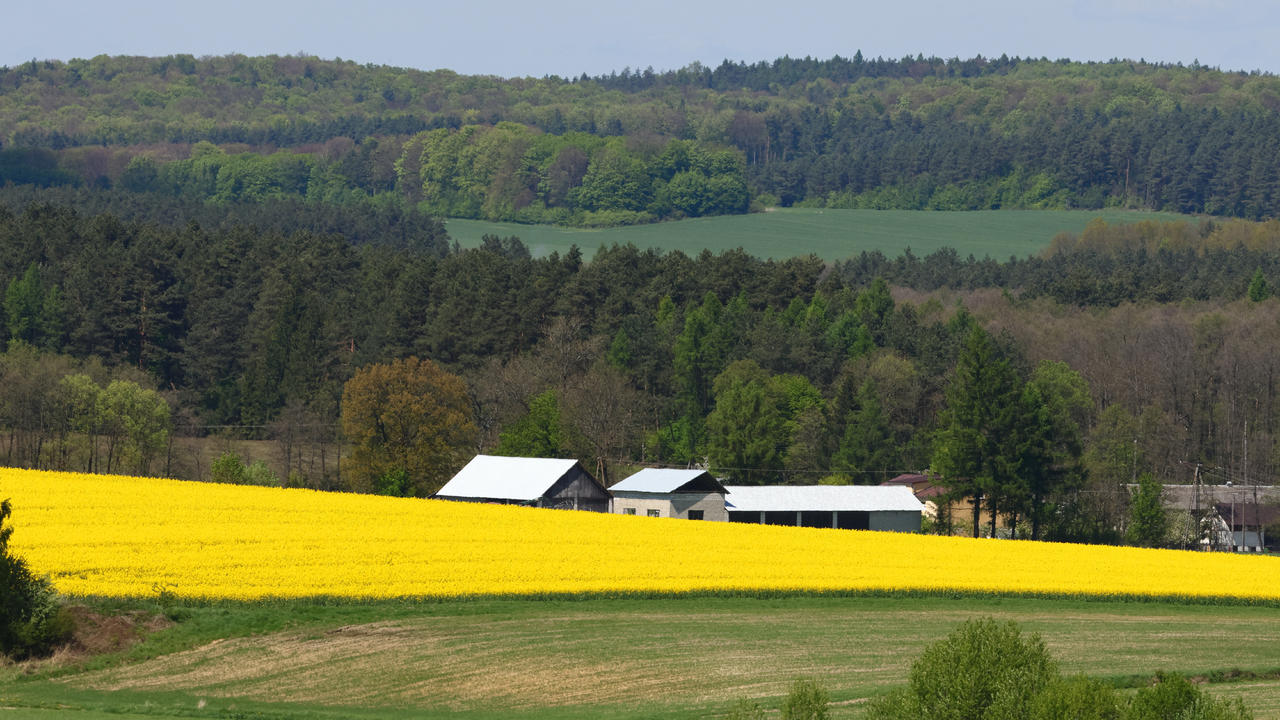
<point>890,521</point>
<point>675,505</point>
<point>899,521</point>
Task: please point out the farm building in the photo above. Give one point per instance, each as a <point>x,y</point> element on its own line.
<point>1247,523</point>
<point>848,507</point>
<point>691,494</point>
<point>539,482</point>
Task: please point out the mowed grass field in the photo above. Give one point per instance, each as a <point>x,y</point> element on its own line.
<point>829,234</point>
<point>610,658</point>
<point>296,604</point>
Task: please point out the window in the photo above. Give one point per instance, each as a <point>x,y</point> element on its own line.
<point>628,511</point>
<point>654,513</point>
<point>695,514</point>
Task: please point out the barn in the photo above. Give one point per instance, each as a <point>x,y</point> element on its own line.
<point>538,482</point>
<point>848,507</point>
<point>690,494</point>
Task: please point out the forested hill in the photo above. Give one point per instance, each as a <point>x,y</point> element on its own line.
<point>641,146</point>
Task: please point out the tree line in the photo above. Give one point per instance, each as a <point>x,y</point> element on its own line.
<point>910,133</point>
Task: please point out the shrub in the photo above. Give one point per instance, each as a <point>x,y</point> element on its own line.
<point>228,468</point>
<point>32,619</point>
<point>1174,698</point>
<point>983,669</point>
<point>806,701</point>
<point>259,474</point>
<point>1077,698</point>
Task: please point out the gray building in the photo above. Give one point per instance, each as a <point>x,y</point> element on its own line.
<point>690,494</point>
<point>538,482</point>
<point>848,507</point>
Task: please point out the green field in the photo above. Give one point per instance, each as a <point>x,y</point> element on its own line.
<point>610,658</point>
<point>829,234</point>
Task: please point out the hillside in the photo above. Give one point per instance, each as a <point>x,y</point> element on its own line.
<point>914,133</point>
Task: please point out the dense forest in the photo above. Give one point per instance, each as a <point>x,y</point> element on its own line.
<point>910,133</point>
<point>1145,336</point>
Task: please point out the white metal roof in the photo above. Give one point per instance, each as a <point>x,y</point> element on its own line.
<point>657,480</point>
<point>841,498</point>
<point>506,478</point>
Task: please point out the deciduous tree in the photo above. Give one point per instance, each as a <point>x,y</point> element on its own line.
<point>409,425</point>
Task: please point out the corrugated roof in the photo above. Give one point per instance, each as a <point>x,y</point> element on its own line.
<point>506,478</point>
<point>841,498</point>
<point>657,480</point>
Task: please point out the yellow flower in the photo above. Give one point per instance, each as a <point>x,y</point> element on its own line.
<point>123,536</point>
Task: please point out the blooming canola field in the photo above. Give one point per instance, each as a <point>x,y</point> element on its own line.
<point>123,536</point>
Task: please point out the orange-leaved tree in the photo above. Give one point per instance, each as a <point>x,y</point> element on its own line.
<point>409,425</point>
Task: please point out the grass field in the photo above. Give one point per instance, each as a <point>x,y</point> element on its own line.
<point>620,658</point>
<point>829,234</point>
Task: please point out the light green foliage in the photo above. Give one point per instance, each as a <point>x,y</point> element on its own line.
<point>807,700</point>
<point>540,433</point>
<point>1173,698</point>
<point>1148,520</point>
<point>228,468</point>
<point>1077,698</point>
<point>34,313</point>
<point>1258,288</point>
<point>136,423</point>
<point>981,670</point>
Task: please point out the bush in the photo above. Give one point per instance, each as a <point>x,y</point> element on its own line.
<point>987,671</point>
<point>806,701</point>
<point>1077,698</point>
<point>1173,698</point>
<point>32,620</point>
<point>228,468</point>
<point>981,670</point>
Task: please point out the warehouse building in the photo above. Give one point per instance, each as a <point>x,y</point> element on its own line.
<point>847,507</point>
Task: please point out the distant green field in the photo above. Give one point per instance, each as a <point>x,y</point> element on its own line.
<point>829,234</point>
<point>616,659</point>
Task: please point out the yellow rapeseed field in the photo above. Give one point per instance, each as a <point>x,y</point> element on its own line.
<point>122,536</point>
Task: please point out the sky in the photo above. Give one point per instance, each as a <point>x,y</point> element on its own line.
<point>571,37</point>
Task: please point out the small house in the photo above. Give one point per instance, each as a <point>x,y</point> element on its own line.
<point>690,494</point>
<point>537,482</point>
<point>847,507</point>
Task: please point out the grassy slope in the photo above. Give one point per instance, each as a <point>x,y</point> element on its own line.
<point>616,658</point>
<point>829,234</point>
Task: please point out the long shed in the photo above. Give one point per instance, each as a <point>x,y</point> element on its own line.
<point>848,507</point>
<point>538,482</point>
<point>690,494</point>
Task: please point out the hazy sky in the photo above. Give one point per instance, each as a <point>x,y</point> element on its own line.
<point>569,37</point>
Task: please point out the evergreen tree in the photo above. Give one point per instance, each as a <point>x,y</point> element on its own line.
<point>976,455</point>
<point>1258,288</point>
